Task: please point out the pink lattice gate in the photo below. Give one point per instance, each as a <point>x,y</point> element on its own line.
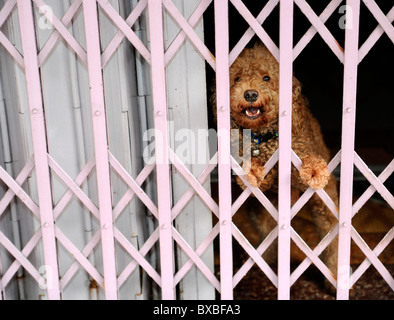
<point>67,224</point>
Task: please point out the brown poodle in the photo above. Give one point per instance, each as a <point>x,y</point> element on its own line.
<point>254,103</point>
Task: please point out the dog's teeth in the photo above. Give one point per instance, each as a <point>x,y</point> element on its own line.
<point>254,112</point>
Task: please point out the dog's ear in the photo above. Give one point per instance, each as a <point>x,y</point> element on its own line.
<point>212,99</point>
<point>299,105</point>
<point>296,89</point>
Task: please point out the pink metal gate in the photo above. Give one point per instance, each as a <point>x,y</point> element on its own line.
<point>46,211</point>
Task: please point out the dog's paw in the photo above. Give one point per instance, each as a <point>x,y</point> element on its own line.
<point>314,172</point>
<point>254,174</point>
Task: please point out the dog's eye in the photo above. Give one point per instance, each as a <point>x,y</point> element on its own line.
<point>266,78</point>
<point>237,79</point>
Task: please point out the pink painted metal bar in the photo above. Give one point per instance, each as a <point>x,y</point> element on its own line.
<point>256,27</point>
<point>129,195</point>
<point>386,173</point>
<point>256,191</point>
<point>68,275</point>
<point>4,241</point>
<point>193,37</point>
<point>33,83</point>
<point>265,12</point>
<point>143,251</point>
<point>9,274</point>
<point>373,258</point>
<point>6,10</point>
<point>124,27</point>
<point>312,256</point>
<point>181,37</point>
<point>137,256</point>
<point>260,250</point>
<point>16,189</point>
<point>347,154</point>
<point>187,196</point>
<point>321,28</point>
<point>373,180</point>
<point>376,251</point>
<point>374,37</point>
<point>162,166</point>
<point>119,36</point>
<point>196,259</point>
<point>100,146</point>
<point>4,14</point>
<point>285,115</point>
<point>52,41</point>
<point>224,165</point>
<point>62,30</point>
<point>79,256</point>
<point>309,192</point>
<point>316,251</point>
<point>134,185</point>
<point>255,255</point>
<point>381,18</point>
<point>22,195</point>
<point>199,251</point>
<point>324,16</point>
<point>199,189</point>
<point>88,203</point>
<point>63,202</point>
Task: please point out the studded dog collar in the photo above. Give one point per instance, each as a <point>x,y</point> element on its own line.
<point>257,139</point>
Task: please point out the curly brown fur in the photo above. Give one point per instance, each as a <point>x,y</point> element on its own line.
<point>254,104</point>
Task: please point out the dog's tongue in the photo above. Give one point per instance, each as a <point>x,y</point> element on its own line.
<point>252,111</point>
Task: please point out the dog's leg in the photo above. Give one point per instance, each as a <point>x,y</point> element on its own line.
<point>264,223</point>
<point>254,173</point>
<point>314,172</point>
<point>325,221</point>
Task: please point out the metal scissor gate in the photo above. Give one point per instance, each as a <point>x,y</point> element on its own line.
<point>104,210</point>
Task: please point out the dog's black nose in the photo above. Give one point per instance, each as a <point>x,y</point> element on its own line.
<point>251,95</point>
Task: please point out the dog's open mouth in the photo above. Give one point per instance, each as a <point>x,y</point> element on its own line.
<point>253,112</point>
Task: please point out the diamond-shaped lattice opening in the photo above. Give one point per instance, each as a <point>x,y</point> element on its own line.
<point>73,272</point>
<point>122,26</point>
<point>239,25</point>
<point>20,265</point>
<point>57,23</point>
<point>369,22</point>
<point>46,14</point>
<point>183,26</point>
<point>363,271</point>
<point>326,13</point>
<point>255,286</point>
<point>130,272</point>
<point>373,222</point>
<point>107,28</point>
<point>7,43</point>
<point>135,224</point>
<point>195,267</point>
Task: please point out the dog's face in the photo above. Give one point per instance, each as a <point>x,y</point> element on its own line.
<point>254,96</point>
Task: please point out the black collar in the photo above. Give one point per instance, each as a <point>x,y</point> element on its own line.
<point>257,139</point>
